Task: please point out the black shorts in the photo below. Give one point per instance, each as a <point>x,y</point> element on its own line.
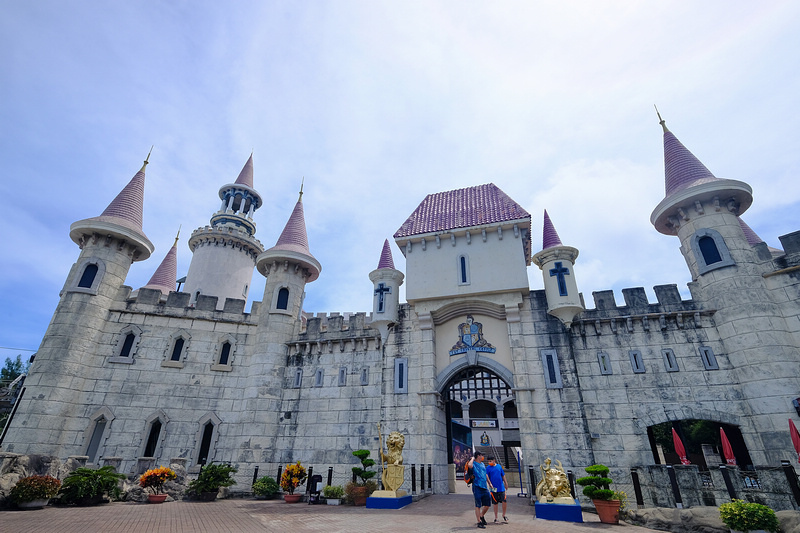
<point>498,497</point>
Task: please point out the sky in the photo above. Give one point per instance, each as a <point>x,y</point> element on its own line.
<point>375,105</point>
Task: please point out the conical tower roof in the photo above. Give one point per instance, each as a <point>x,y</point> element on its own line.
<point>681,168</point>
<point>750,235</point>
<point>165,276</point>
<point>549,236</point>
<point>122,218</point>
<point>386,260</point>
<point>293,244</point>
<point>246,175</point>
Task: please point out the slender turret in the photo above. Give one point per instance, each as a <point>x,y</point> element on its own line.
<point>225,252</point>
<point>386,280</point>
<point>165,277</point>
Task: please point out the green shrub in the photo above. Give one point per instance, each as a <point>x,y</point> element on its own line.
<point>366,462</point>
<point>85,486</point>
<point>266,487</point>
<point>595,485</point>
<point>212,477</point>
<point>33,488</point>
<point>740,515</point>
<point>333,492</point>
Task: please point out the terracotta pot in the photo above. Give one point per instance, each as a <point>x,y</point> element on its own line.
<point>292,498</point>
<point>156,498</point>
<point>607,510</point>
<point>34,504</point>
<point>359,495</point>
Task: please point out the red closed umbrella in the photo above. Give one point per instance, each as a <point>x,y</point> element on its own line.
<point>727,451</point>
<point>679,449</point>
<point>795,438</point>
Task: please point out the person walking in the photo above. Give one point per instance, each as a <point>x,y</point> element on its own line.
<point>480,488</point>
<point>497,477</point>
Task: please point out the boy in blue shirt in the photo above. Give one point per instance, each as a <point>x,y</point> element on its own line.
<point>480,488</point>
<point>497,477</point>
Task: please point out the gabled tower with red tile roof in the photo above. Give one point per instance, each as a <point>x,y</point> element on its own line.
<point>558,268</point>
<point>225,252</point>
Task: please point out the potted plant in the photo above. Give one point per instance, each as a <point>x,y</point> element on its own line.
<point>358,491</point>
<point>293,476</point>
<point>154,480</point>
<point>333,494</point>
<point>595,486</point>
<point>85,486</point>
<point>266,488</point>
<point>34,492</point>
<point>212,476</point>
<point>740,515</point>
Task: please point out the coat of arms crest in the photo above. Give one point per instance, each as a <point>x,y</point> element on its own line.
<point>470,337</point>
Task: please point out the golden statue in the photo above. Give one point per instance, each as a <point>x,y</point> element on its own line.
<point>554,486</point>
<point>393,474</point>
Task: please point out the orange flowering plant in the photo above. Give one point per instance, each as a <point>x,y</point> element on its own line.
<point>33,488</point>
<point>293,477</point>
<point>155,478</point>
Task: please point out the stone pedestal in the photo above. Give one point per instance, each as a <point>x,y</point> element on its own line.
<point>398,500</point>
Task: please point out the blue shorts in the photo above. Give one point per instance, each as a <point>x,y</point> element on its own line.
<point>483,498</point>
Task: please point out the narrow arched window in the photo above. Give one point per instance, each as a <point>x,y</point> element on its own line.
<point>205,443</point>
<point>127,345</point>
<point>463,269</point>
<point>709,250</point>
<point>225,353</point>
<point>152,438</point>
<point>283,299</point>
<point>94,442</point>
<point>177,348</point>
<point>87,279</point>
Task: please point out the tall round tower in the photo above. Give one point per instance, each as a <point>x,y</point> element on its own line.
<point>224,253</point>
<point>386,280</point>
<point>557,263</point>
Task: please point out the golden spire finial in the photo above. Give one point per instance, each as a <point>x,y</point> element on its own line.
<point>301,189</point>
<point>147,159</point>
<point>178,235</point>
<point>661,120</point>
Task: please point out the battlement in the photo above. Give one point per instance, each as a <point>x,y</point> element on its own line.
<point>332,322</point>
<point>225,236</point>
<point>326,333</point>
<point>152,301</point>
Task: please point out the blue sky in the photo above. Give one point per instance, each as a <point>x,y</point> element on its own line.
<point>377,104</point>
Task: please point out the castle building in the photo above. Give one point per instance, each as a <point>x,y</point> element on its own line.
<point>474,356</point>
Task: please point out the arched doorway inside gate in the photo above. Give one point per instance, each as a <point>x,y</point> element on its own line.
<point>481,413</point>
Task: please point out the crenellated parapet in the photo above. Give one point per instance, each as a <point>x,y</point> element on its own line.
<point>638,314</point>
<point>226,236</point>
<point>334,332</point>
<point>177,304</point>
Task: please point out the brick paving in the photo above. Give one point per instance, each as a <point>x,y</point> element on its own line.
<point>437,513</point>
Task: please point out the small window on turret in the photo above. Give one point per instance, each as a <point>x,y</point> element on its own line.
<point>709,250</point>
<point>87,279</point>
<point>127,345</point>
<point>463,270</point>
<point>283,299</point>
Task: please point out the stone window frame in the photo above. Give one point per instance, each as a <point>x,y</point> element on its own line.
<point>709,358</point>
<point>103,413</point>
<point>637,361</point>
<point>98,277</point>
<point>120,343</point>
<point>173,338</point>
<point>342,376</point>
<point>462,269</point>
<point>273,308</point>
<point>604,361</point>
<point>670,361</point>
<point>217,366</point>
<point>161,416</point>
<point>364,375</point>
<point>319,377</point>
<point>551,368</point>
<point>198,440</point>
<point>297,381</point>
<point>401,375</point>
<point>722,248</point>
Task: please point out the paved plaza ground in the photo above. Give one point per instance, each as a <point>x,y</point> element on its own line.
<point>437,513</point>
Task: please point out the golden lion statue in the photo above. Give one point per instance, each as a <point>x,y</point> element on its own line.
<point>554,486</point>
<point>394,442</point>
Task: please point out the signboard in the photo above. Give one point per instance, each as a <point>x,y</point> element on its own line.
<point>484,423</point>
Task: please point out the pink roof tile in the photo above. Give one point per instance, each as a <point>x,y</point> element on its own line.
<point>750,235</point>
<point>129,203</point>
<point>294,237</point>
<point>461,208</point>
<point>165,276</point>
<point>681,168</point>
<point>386,260</point>
<point>246,175</point>
<point>549,236</point>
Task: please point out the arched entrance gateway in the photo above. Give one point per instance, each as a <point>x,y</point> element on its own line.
<point>481,414</point>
